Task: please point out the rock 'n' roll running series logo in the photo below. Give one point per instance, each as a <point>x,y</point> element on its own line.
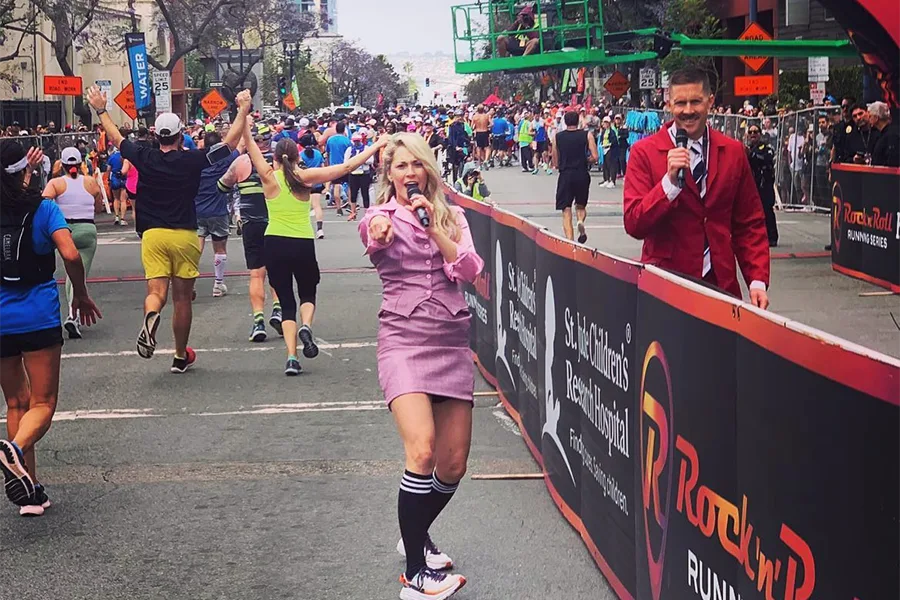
<point>836,201</point>
<point>785,571</point>
<point>657,455</point>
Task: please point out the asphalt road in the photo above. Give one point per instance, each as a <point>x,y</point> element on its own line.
<point>233,481</point>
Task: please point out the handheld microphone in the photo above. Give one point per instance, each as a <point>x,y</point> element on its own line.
<point>681,140</point>
<point>412,189</point>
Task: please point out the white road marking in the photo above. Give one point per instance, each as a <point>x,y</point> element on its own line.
<point>260,409</point>
<point>167,351</point>
<point>507,423</point>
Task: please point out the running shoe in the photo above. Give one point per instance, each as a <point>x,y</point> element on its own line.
<point>180,365</point>
<point>258,333</point>
<point>582,234</point>
<point>72,328</point>
<point>40,503</point>
<point>116,222</point>
<point>146,340</point>
<point>434,558</point>
<point>340,213</point>
<point>534,171</point>
<point>123,223</point>
<point>345,204</point>
<point>429,584</point>
<point>18,483</point>
<point>292,367</point>
<point>320,234</point>
<point>219,290</point>
<point>549,171</point>
<point>328,201</point>
<point>310,350</point>
<point>275,321</point>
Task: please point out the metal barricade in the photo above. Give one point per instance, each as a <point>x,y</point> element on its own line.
<point>803,144</point>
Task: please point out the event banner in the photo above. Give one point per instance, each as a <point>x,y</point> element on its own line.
<point>865,223</point>
<point>701,448</point>
<point>140,73</point>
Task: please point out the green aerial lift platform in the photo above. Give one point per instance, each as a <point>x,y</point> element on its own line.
<point>571,34</point>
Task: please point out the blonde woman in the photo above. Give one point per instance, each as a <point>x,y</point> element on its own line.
<point>290,251</point>
<point>424,364</point>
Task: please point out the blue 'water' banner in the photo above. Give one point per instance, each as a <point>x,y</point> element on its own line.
<point>140,73</point>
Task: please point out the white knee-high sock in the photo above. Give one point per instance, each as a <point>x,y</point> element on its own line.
<point>221,259</point>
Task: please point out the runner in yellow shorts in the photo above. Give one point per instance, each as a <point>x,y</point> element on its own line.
<point>170,253</point>
<point>167,219</point>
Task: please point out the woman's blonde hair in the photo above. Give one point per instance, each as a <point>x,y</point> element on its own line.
<point>444,217</point>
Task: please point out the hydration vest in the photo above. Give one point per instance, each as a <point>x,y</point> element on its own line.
<point>20,265</point>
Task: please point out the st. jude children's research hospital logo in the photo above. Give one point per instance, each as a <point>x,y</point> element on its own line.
<point>783,569</point>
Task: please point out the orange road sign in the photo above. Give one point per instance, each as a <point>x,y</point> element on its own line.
<point>755,32</point>
<point>62,86</point>
<point>754,85</point>
<point>125,100</point>
<point>617,85</point>
<point>213,103</point>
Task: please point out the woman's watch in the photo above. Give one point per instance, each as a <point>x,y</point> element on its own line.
<point>100,111</point>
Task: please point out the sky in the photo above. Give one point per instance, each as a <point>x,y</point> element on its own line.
<point>393,26</point>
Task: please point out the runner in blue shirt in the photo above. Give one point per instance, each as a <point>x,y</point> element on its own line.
<point>499,133</point>
<point>336,146</point>
<point>30,330</point>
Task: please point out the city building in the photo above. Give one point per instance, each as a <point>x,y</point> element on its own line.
<point>326,14</point>
<point>98,55</point>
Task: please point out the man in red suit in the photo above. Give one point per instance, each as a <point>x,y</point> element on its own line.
<point>717,216</point>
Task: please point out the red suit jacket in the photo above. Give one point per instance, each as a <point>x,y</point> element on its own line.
<point>730,214</point>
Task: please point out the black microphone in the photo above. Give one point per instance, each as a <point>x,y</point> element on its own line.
<point>412,189</point>
<point>681,140</point>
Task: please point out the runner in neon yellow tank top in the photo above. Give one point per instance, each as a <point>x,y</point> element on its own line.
<point>290,251</point>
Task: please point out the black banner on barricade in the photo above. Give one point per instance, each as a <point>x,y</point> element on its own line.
<point>480,295</point>
<point>506,339</point>
<point>686,463</point>
<point>735,455</point>
<point>823,501</point>
<point>527,311</point>
<point>560,427</point>
<point>600,389</point>
<point>865,223</point>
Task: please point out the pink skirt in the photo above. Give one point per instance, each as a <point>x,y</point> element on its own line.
<point>427,353</point>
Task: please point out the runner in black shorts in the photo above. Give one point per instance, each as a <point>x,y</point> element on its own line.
<point>254,220</point>
<point>30,330</point>
<point>570,155</point>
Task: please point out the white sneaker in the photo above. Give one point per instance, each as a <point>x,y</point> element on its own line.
<point>123,223</point>
<point>219,290</point>
<point>428,584</point>
<point>434,558</point>
<point>320,234</point>
<point>116,222</point>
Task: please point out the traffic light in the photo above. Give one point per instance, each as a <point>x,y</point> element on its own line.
<point>282,86</point>
<point>427,82</point>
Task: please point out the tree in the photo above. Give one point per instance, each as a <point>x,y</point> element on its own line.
<point>248,24</point>
<point>356,73</point>
<point>314,91</point>
<point>507,86</point>
<point>191,25</point>
<point>70,19</point>
<point>17,22</point>
<point>693,18</point>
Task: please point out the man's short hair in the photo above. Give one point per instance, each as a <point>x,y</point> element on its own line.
<point>340,127</point>
<point>571,119</point>
<point>211,139</point>
<point>858,106</point>
<point>880,111</point>
<point>170,140</point>
<point>690,75</point>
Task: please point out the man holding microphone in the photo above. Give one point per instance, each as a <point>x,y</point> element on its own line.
<point>691,197</point>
